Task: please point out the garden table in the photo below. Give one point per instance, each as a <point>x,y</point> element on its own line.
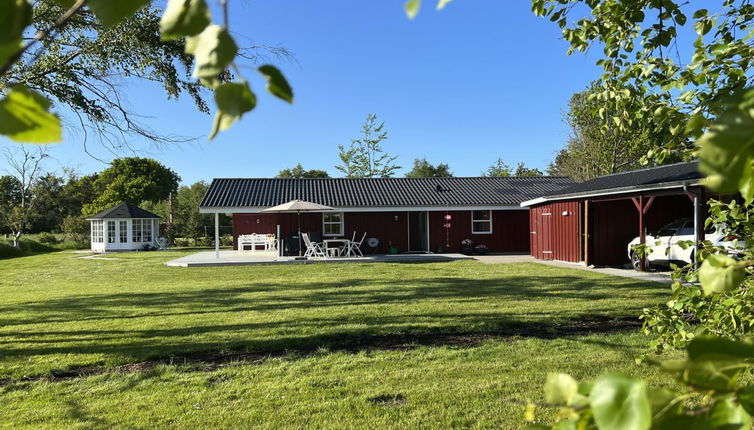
<point>336,250</point>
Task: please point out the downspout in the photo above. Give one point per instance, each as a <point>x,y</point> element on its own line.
<point>697,209</point>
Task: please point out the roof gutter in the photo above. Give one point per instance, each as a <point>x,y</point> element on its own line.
<point>259,209</point>
<point>612,191</point>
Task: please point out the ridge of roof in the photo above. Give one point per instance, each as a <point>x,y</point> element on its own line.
<point>401,178</point>
<point>124,210</point>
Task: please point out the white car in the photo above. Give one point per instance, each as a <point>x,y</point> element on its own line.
<point>664,247</point>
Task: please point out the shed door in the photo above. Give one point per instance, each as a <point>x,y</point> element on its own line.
<point>545,232</point>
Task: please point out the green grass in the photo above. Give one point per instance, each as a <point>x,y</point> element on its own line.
<point>334,335</point>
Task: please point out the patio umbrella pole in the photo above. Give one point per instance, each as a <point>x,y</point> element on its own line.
<point>298,216</point>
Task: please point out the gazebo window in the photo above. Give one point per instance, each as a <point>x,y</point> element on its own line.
<point>111,232</point>
<point>123,230</point>
<point>97,233</point>
<point>146,230</point>
<point>136,230</point>
<point>332,223</point>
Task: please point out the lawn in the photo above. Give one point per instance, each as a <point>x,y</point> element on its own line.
<point>131,343</point>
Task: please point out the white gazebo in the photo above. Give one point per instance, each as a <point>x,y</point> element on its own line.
<point>125,227</point>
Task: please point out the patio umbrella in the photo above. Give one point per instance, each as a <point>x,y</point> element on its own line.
<point>298,206</point>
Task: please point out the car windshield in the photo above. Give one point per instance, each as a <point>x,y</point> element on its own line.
<point>686,230</point>
<point>672,228</point>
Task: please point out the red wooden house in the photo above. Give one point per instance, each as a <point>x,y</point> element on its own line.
<point>411,214</point>
<point>593,221</point>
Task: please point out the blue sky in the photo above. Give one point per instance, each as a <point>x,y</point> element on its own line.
<point>464,86</point>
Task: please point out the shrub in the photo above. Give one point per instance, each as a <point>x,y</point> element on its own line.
<point>226,240</point>
<point>8,251</point>
<point>76,229</point>
<point>47,238</point>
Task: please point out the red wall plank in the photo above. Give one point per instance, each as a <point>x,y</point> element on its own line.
<point>562,237</point>
<point>510,228</point>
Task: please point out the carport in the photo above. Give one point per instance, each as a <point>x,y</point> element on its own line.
<point>592,222</point>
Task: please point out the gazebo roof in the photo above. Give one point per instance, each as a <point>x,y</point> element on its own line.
<point>124,210</point>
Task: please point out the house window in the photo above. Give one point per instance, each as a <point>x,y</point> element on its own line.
<point>111,232</point>
<point>332,223</point>
<point>481,222</point>
<point>123,231</point>
<point>136,230</point>
<point>97,233</point>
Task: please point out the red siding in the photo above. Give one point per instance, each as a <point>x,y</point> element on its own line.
<point>510,228</point>
<point>556,236</point>
<point>510,231</point>
<point>612,225</point>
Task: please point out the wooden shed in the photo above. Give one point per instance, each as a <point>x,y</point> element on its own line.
<point>593,221</point>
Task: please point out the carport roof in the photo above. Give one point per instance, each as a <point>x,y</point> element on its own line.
<point>652,178</point>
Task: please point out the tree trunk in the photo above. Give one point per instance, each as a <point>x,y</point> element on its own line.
<point>16,239</point>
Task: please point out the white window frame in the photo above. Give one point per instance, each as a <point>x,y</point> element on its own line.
<point>136,236</point>
<point>147,231</point>
<point>340,224</point>
<point>111,234</point>
<point>474,221</point>
<point>98,231</point>
<point>122,231</point>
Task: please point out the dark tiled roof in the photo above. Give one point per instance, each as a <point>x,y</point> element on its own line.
<point>124,210</point>
<point>641,178</point>
<point>381,192</point>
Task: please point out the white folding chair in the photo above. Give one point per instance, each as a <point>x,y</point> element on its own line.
<point>355,247</point>
<point>313,249</point>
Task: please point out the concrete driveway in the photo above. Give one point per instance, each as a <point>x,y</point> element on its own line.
<point>662,277</point>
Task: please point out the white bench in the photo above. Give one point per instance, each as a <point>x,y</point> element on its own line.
<point>255,240</point>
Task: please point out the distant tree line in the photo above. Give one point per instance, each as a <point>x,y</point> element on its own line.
<point>34,200</point>
<point>365,157</point>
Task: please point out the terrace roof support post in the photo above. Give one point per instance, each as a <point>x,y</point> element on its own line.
<point>279,240</point>
<point>217,235</point>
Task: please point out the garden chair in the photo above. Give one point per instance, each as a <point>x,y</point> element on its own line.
<point>313,249</point>
<point>355,247</point>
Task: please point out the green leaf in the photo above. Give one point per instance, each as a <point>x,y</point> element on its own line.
<point>726,150</point>
<point>8,49</point>
<point>442,3</point>
<point>560,388</point>
<point>233,99</point>
<point>719,273</point>
<point>276,83</point>
<point>746,398</point>
<point>620,402</point>
<point>184,18</point>
<point>727,414</point>
<point>15,16</point>
<point>213,50</point>
<point>412,8</point>
<point>719,348</point>
<point>24,117</point>
<point>110,13</point>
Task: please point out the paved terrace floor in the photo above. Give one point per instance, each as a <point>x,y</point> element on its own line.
<point>231,258</point>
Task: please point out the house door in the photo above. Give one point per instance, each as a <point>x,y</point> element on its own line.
<point>418,232</point>
<point>546,235</point>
